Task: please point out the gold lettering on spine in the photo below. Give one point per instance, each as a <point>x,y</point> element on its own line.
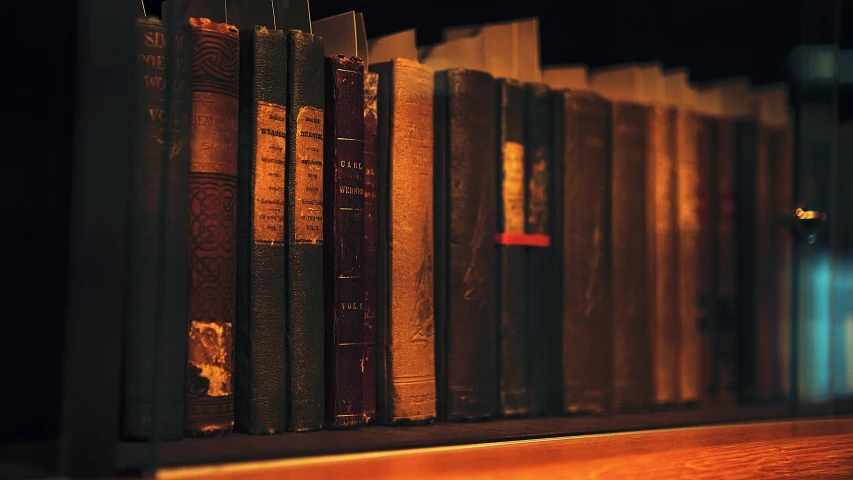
<point>512,187</point>
<point>214,134</point>
<point>308,178</point>
<point>270,143</point>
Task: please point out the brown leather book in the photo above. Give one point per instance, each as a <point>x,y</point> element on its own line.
<point>405,314</point>
<point>371,89</point>
<point>213,219</point>
<point>343,234</point>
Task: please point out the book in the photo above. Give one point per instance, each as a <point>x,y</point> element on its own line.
<point>156,304</point>
<point>465,317</point>
<point>212,221</point>
<point>371,232</point>
<point>392,46</point>
<point>511,48</point>
<point>261,304</point>
<point>343,246</point>
<point>572,77</point>
<point>304,227</point>
<point>406,334</point>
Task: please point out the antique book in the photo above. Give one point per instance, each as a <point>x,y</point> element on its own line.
<point>343,246</point>
<point>511,268</point>
<point>406,382</point>
<point>371,124</point>
<point>156,302</point>
<point>304,227</point>
<point>572,77</point>
<point>511,48</point>
<point>585,210</point>
<point>465,287</point>
<point>261,309</point>
<point>679,95</point>
<point>212,222</point>
<point>543,271</point>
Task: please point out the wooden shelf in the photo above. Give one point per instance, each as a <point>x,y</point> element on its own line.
<point>134,456</point>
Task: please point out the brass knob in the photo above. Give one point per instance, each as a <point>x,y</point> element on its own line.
<point>807,223</point>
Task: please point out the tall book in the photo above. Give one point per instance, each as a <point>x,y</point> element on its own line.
<point>343,232</point>
<point>155,307</point>
<point>261,303</point>
<point>212,220</point>
<point>679,95</point>
<point>304,225</point>
<point>406,266</point>
<point>371,288</point>
<point>632,241</point>
<point>465,317</point>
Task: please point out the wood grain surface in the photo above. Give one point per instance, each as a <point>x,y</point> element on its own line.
<point>788,449</point>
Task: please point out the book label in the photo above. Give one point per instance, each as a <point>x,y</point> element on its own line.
<point>270,142</point>
<point>537,214</point>
<point>512,188</point>
<point>308,184</point>
<point>214,134</point>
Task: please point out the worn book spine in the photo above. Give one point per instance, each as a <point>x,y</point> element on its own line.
<point>631,276</point>
<point>261,309</point>
<point>213,221</point>
<point>662,223</point>
<point>511,265</point>
<point>688,257</point>
<point>155,307</point>
<point>304,232</point>
<point>465,196</point>
<point>727,280</point>
<point>405,275</point>
<point>587,322</point>
<point>543,325</point>
<point>371,89</point>
<point>343,232</point>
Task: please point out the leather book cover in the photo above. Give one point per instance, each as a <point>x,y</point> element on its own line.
<point>632,277</point>
<point>543,305</point>
<point>727,280</point>
<point>511,265</point>
<point>261,312</point>
<point>304,232</point>
<point>156,303</point>
<point>213,219</point>
<point>343,232</point>
<point>406,389</point>
<point>587,305</point>
<point>662,223</point>
<point>371,90</point>
<point>465,198</point>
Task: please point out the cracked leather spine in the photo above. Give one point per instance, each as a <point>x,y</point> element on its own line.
<point>304,231</point>
<point>371,86</point>
<point>343,247</point>
<point>161,163</point>
<point>465,195</point>
<point>261,307</point>
<point>587,324</point>
<point>213,217</point>
<point>406,309</point>
<point>511,265</point>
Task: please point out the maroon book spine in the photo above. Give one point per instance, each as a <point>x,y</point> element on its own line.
<point>371,89</point>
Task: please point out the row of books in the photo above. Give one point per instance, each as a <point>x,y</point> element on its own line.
<point>435,235</point>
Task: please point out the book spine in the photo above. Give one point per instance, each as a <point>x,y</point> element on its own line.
<point>213,218</point>
<point>304,226</point>
<point>662,222</point>
<point>511,259</point>
<point>587,333</point>
<point>633,380</point>
<point>543,326</point>
<point>343,232</point>
<point>405,315</point>
<point>261,309</point>
<point>727,281</point>
<point>371,87</point>
<point>468,323</point>
<point>687,207</point>
<point>162,162</point>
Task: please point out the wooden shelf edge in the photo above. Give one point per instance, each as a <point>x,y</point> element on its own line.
<point>136,456</point>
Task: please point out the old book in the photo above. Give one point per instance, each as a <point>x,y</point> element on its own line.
<point>343,232</point>
<point>304,227</point>
<point>371,300</point>
<point>261,308</point>
<point>212,220</point>
<point>511,48</point>
<point>587,323</point>
<point>406,381</point>
<point>465,317</point>
<point>679,94</point>
<point>572,77</point>
<point>156,303</point>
